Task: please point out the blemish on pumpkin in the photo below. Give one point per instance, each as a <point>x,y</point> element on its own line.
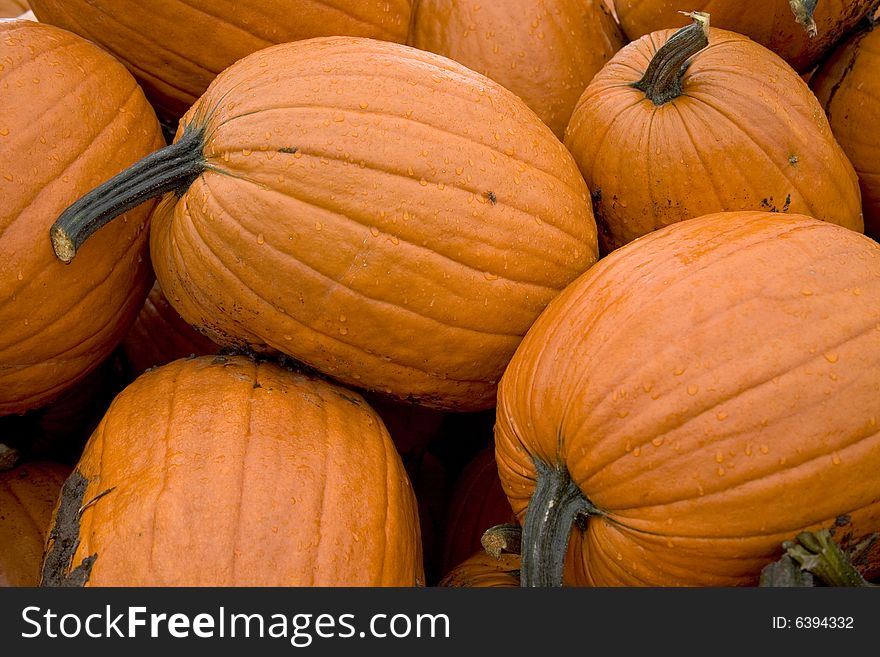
<point>842,520</point>
<point>288,149</point>
<point>490,196</point>
<point>63,539</point>
<point>787,204</point>
<point>793,160</point>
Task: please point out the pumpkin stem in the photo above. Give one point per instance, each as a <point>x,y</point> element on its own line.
<point>803,14</point>
<point>502,539</point>
<point>169,169</point>
<point>662,79</point>
<point>817,553</point>
<point>555,505</point>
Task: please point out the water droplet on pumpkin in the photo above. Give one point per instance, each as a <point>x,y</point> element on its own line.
<point>693,390</point>
<point>835,458</point>
<point>4,132</point>
<point>719,457</point>
<point>246,151</point>
<point>342,318</point>
<point>318,225</point>
<point>423,182</point>
<point>678,371</point>
<point>806,292</point>
<point>748,449</point>
<point>490,276</point>
<point>831,357</point>
<point>637,451</point>
<point>374,231</point>
<point>20,276</point>
<point>765,449</point>
<point>657,441</point>
<point>343,330</point>
<point>288,337</point>
<point>261,239</point>
<point>721,471</point>
<point>721,415</point>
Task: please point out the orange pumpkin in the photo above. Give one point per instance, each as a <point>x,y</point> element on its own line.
<point>12,8</point>
<point>245,468</point>
<point>176,47</point>
<point>70,118</point>
<point>481,570</point>
<point>695,399</point>
<point>27,498</point>
<point>671,129</point>
<point>383,214</point>
<point>800,31</point>
<point>848,87</point>
<point>545,51</point>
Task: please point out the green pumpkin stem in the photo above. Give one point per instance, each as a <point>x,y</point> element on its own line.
<point>803,13</point>
<point>170,169</point>
<point>502,539</point>
<point>662,81</point>
<point>817,553</point>
<point>555,505</point>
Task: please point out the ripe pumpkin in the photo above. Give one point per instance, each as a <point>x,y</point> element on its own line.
<point>176,47</point>
<point>247,469</point>
<point>695,399</point>
<point>70,118</point>
<point>12,8</point>
<point>481,570</point>
<point>381,213</point>
<point>671,129</point>
<point>159,335</point>
<point>28,495</point>
<point>848,88</point>
<point>545,51</point>
<point>800,31</point>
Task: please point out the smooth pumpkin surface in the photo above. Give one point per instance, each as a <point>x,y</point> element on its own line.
<point>848,87</point>
<point>743,132</point>
<point>383,214</point>
<point>58,323</point>
<point>710,390</point>
<point>176,47</point>
<point>481,570</point>
<point>12,8</point>
<point>260,476</point>
<point>28,494</point>
<point>772,23</point>
<point>545,51</point>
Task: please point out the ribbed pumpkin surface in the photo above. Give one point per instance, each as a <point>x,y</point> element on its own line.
<point>481,570</point>
<point>713,388</point>
<point>383,214</point>
<point>57,322</point>
<point>27,497</point>
<point>225,472</point>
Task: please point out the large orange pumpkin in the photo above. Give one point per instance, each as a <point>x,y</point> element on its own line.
<point>28,495</point>
<point>848,86</point>
<point>12,8</point>
<point>70,118</point>
<point>227,472</point>
<point>800,31</point>
<point>545,51</point>
<point>672,129</point>
<point>176,47</point>
<point>695,399</point>
<point>381,213</point>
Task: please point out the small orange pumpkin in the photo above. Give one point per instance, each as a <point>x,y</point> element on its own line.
<point>482,570</point>
<point>695,399</point>
<point>246,470</point>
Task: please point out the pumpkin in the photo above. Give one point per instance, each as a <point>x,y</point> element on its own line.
<point>57,323</point>
<point>545,51</point>
<point>800,31</point>
<point>12,8</point>
<point>847,87</point>
<point>247,469</point>
<point>672,129</point>
<point>176,47</point>
<point>482,570</point>
<point>694,400</point>
<point>27,498</point>
<point>159,335</point>
<point>477,503</point>
<point>380,213</point>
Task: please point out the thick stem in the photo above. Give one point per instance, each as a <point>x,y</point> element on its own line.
<point>662,81</point>
<point>803,13</point>
<point>170,169</point>
<point>819,554</point>
<point>555,505</point>
<point>502,539</point>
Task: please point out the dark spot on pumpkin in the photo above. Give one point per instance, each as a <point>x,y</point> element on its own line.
<point>491,197</point>
<point>63,538</point>
<point>842,520</point>
<point>219,360</point>
<point>257,385</point>
<point>787,204</point>
<point>792,160</point>
<point>348,398</point>
<point>288,149</point>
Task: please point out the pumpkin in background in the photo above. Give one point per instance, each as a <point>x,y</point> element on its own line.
<point>545,51</point>
<point>159,335</point>
<point>695,399</point>
<point>70,118</point>
<point>28,494</point>
<point>482,570</point>
<point>12,8</point>
<point>848,87</point>
<point>800,31</point>
<point>382,214</point>
<point>176,47</point>
<point>672,129</point>
<point>259,475</point>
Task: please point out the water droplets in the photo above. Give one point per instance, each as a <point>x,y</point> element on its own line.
<point>831,357</point>
<point>261,239</point>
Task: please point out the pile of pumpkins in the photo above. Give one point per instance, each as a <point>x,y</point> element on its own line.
<point>318,293</point>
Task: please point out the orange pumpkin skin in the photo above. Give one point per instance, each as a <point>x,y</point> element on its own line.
<point>159,335</point>
<point>848,88</point>
<point>771,23</point>
<point>484,571</point>
<point>411,217</point>
<point>713,389</point>
<point>176,47</point>
<point>12,8</point>
<point>28,495</point>
<point>246,469</point>
<point>70,118</point>
<point>545,51</point>
<point>745,134</point>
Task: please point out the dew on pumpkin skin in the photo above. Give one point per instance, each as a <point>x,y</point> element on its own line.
<point>835,458</point>
<point>831,357</point>
<point>374,231</point>
<point>693,390</point>
<point>261,239</point>
<point>764,449</point>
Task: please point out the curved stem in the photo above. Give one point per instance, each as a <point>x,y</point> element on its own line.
<point>803,13</point>
<point>170,169</point>
<point>555,505</point>
<point>502,539</point>
<point>662,79</point>
<point>819,554</point>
